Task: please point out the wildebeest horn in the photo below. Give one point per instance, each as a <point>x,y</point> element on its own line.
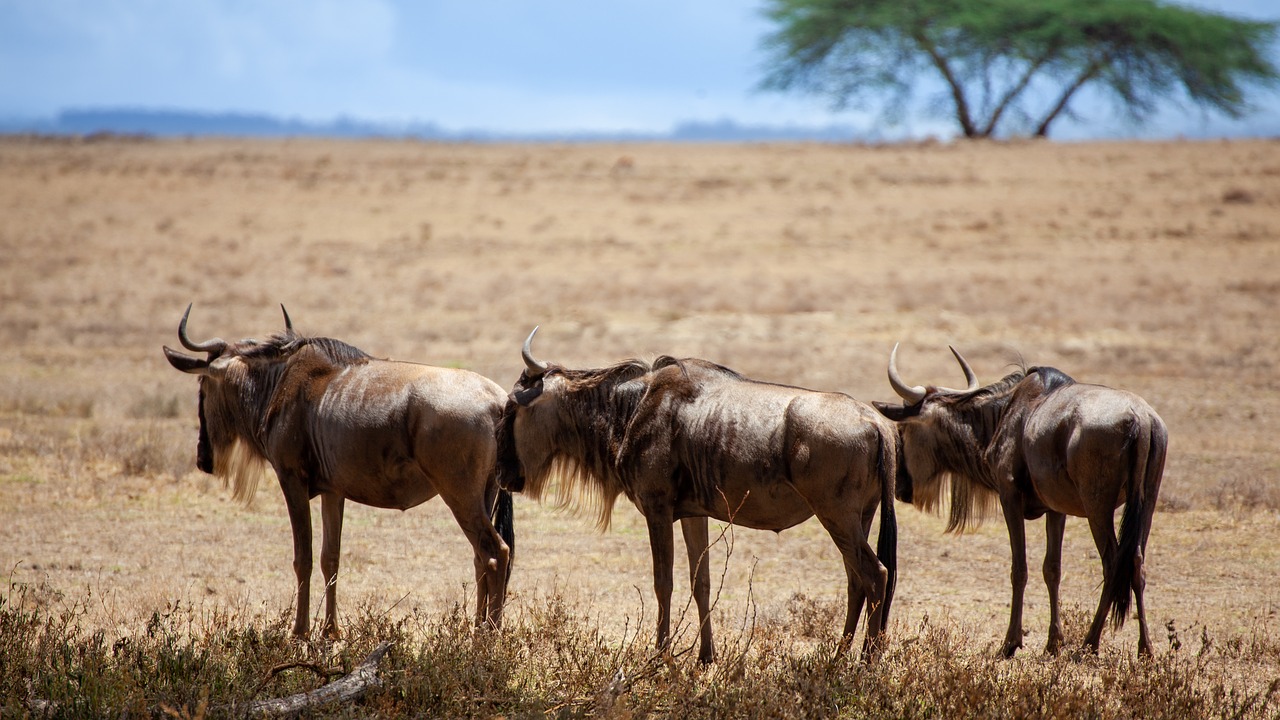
<point>288,324</point>
<point>536,367</point>
<point>969,377</point>
<point>910,393</point>
<point>212,347</point>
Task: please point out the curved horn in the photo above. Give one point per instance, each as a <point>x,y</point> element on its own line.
<point>912,394</point>
<point>213,346</point>
<point>970,378</point>
<point>288,324</point>
<point>536,367</point>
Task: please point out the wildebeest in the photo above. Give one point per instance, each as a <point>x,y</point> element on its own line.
<point>333,421</point>
<point>687,440</point>
<point>1041,444</point>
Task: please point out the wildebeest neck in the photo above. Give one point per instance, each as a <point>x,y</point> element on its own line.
<point>595,410</point>
<point>969,426</point>
<point>569,434</point>
<point>238,408</point>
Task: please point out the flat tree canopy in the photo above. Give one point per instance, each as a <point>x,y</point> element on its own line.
<point>1017,58</point>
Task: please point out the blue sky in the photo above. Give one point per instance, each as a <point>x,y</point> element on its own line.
<point>525,67</point>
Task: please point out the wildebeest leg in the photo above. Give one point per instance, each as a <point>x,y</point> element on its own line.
<point>1102,526</point>
<point>492,555</point>
<point>1013,518</point>
<point>331,506</point>
<point>299,506</point>
<point>867,580</point>
<point>1139,585</point>
<point>695,541</point>
<point>662,545</point>
<point>1055,524</point>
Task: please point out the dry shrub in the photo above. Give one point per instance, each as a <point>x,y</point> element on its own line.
<point>144,449</point>
<point>1252,493</point>
<point>551,660</point>
<point>813,619</point>
<point>45,402</point>
<point>155,405</point>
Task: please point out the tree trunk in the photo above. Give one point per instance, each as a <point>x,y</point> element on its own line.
<point>963,114</point>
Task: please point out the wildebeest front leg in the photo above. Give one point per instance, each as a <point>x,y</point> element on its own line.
<point>331,506</point>
<point>1055,524</point>
<point>299,506</point>
<point>662,545</point>
<point>695,541</point>
<point>1013,518</point>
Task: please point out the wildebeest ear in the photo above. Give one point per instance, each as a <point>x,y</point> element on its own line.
<point>523,396</point>
<point>186,363</point>
<point>897,412</point>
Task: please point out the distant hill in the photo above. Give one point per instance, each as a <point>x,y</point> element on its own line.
<point>180,123</point>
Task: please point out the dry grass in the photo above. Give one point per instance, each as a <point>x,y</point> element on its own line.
<point>1147,266</point>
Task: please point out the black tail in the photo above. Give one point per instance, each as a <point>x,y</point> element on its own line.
<point>1145,471</point>
<point>887,543</point>
<point>504,522</point>
<point>508,467</point>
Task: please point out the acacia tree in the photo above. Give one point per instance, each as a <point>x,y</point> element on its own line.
<point>999,59</point>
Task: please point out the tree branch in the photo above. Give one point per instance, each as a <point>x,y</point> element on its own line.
<point>1089,73</point>
<point>1016,90</point>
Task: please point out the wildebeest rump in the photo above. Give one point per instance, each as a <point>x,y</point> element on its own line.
<point>687,440</point>
<point>1041,444</point>
<point>333,421</point>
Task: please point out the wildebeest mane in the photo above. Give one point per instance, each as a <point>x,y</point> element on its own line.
<point>1051,378</point>
<point>282,345</point>
<point>596,407</point>
<point>974,418</point>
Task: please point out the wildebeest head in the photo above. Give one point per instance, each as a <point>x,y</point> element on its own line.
<point>236,383</point>
<point>552,424</point>
<point>946,432</point>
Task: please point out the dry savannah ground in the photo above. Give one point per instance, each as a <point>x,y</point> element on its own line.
<point>1149,266</point>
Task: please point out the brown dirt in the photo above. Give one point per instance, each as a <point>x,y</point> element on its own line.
<point>1154,267</point>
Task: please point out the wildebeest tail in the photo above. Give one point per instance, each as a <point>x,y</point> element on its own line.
<point>1146,452</point>
<point>504,522</point>
<point>887,543</point>
<point>508,466</point>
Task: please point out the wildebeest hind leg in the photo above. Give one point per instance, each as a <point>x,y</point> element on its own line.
<point>1055,525</point>
<point>331,506</point>
<point>492,556</point>
<point>695,541</point>
<point>867,580</point>
<point>1102,526</point>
